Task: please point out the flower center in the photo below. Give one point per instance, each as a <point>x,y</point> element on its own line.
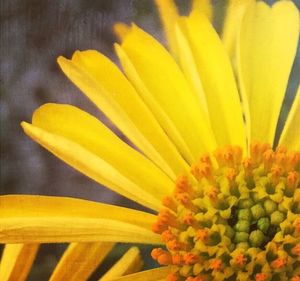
<point>234,218</point>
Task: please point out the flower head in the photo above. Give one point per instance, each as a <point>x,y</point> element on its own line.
<point>203,121</point>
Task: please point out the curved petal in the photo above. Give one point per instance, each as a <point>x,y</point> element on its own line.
<point>266,49</point>
<point>148,275</point>
<point>168,86</point>
<point>108,88</point>
<point>98,169</point>
<point>46,219</point>
<point>80,260</point>
<point>129,263</point>
<point>16,261</point>
<point>81,128</point>
<point>178,164</point>
<point>235,11</point>
<point>290,134</point>
<point>121,30</point>
<point>204,6</point>
<point>168,14</point>
<point>218,80</point>
<point>188,65</point>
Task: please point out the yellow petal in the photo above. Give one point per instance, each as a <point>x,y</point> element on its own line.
<point>16,261</point>
<point>107,87</point>
<point>164,80</point>
<point>217,79</point>
<point>204,6</point>
<point>266,49</point>
<point>129,263</point>
<point>80,260</point>
<point>188,65</point>
<point>235,11</point>
<point>174,159</point>
<point>85,130</point>
<point>168,15</point>
<point>290,134</point>
<point>46,219</point>
<point>148,275</point>
<point>121,30</point>
<point>98,169</point>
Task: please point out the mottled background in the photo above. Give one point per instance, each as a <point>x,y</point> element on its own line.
<point>33,34</point>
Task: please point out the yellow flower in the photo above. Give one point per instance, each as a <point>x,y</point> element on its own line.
<point>203,121</point>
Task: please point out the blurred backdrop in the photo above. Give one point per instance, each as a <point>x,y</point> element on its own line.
<point>33,34</point>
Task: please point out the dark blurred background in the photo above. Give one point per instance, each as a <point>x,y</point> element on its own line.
<point>33,34</point>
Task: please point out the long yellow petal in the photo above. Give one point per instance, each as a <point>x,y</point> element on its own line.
<point>83,129</point>
<point>218,81</point>
<point>16,261</point>
<point>178,164</point>
<point>108,88</point>
<point>235,11</point>
<point>168,14</point>
<point>291,131</point>
<point>46,219</point>
<point>148,275</point>
<point>204,6</point>
<point>188,64</point>
<point>266,49</point>
<point>129,263</point>
<point>99,170</point>
<point>165,81</point>
<point>80,260</point>
<point>121,30</point>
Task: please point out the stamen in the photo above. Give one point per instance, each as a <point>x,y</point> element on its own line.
<point>202,170</point>
<point>216,264</point>
<point>240,260</point>
<point>173,277</point>
<point>159,227</point>
<point>183,185</point>
<point>235,218</point>
<point>268,158</point>
<point>293,179</point>
<point>261,277</point>
<point>202,235</point>
<point>276,172</point>
<point>163,257</point>
<point>156,253</point>
<point>167,235</point>
<point>212,193</point>
<point>170,203</point>
<point>191,258</point>
<point>166,217</point>
<point>175,245</point>
<point>278,263</point>
<point>189,219</point>
<point>231,174</point>
<point>177,259</point>
<point>248,165</point>
<point>185,200</point>
<point>296,250</point>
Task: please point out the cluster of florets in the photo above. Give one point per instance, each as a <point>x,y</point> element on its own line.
<point>234,218</point>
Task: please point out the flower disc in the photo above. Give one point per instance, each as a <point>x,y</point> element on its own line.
<point>234,218</point>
